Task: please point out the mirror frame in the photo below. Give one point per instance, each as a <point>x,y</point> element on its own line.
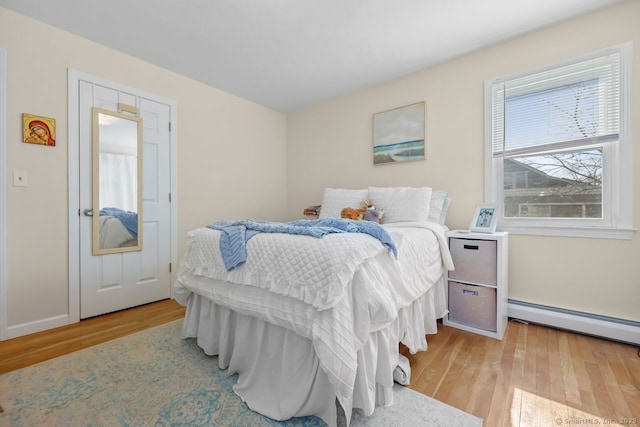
<point>96,250</point>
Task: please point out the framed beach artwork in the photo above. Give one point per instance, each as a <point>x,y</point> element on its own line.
<point>399,134</point>
<point>38,130</point>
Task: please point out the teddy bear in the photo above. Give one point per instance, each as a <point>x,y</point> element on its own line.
<point>366,212</point>
<point>352,213</point>
<point>371,213</point>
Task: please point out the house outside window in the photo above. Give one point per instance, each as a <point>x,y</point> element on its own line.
<point>558,147</point>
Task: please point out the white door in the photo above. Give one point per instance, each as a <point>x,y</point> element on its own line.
<point>121,280</point>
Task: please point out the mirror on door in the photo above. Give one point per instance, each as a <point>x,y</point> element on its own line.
<point>117,182</point>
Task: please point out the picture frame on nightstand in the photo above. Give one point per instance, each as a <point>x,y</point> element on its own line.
<point>485,218</point>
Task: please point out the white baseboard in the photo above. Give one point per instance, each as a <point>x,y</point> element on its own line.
<point>37,326</point>
<point>600,326</point>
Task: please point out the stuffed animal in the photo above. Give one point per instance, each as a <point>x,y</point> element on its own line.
<point>371,213</point>
<point>352,213</point>
<point>367,212</point>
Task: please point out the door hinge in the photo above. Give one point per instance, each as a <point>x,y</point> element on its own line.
<point>169,126</point>
<point>169,267</point>
<point>169,197</point>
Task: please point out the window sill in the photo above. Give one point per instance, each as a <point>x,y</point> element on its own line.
<point>588,232</point>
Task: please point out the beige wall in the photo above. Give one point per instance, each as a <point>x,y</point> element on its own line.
<point>330,144</point>
<point>231,156</point>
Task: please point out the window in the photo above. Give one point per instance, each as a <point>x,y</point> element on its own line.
<point>558,147</point>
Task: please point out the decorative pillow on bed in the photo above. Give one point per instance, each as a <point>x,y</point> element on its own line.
<point>336,199</point>
<point>402,204</point>
<point>439,207</point>
<point>445,210</point>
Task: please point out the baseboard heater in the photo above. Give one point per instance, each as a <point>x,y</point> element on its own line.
<point>590,324</point>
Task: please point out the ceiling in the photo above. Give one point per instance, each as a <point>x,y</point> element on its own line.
<point>288,54</point>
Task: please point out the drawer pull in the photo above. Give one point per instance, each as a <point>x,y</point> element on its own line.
<point>466,292</point>
<point>473,247</point>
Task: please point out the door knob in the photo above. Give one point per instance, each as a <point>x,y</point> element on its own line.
<point>88,212</point>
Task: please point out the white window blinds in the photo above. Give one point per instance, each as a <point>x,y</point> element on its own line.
<point>576,105</point>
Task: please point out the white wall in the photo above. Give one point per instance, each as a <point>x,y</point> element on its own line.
<point>231,156</point>
<point>330,144</point>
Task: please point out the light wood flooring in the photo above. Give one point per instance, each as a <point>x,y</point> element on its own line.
<point>24,351</point>
<point>535,376</point>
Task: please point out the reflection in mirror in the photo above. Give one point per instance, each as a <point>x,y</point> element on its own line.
<point>117,178</point>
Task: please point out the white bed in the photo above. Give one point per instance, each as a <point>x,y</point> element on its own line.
<point>113,234</point>
<point>306,321</point>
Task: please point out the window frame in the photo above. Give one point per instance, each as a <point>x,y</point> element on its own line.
<point>617,179</point>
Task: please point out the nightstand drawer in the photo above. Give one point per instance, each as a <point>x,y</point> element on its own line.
<point>474,260</point>
<point>472,305</point>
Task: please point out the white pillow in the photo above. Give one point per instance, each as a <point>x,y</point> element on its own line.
<point>436,207</point>
<point>402,204</point>
<point>336,199</point>
<point>445,211</point>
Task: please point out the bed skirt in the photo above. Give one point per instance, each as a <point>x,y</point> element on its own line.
<point>279,373</point>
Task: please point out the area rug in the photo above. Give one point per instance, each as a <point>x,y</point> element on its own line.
<point>155,378</point>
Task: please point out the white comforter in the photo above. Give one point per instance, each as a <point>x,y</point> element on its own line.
<point>361,295</point>
<point>112,232</point>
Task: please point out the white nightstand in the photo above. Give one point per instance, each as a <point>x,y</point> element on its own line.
<point>477,289</point>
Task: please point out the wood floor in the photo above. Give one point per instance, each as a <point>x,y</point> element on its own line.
<point>24,351</point>
<point>535,376</point>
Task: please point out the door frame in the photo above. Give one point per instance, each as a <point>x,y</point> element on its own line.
<point>3,194</point>
<point>74,78</point>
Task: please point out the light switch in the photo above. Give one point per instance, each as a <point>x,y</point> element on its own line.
<point>20,179</point>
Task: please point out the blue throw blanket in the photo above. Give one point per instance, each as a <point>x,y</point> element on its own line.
<point>235,234</point>
<point>127,218</point>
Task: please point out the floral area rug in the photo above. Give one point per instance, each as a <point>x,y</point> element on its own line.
<point>155,378</point>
